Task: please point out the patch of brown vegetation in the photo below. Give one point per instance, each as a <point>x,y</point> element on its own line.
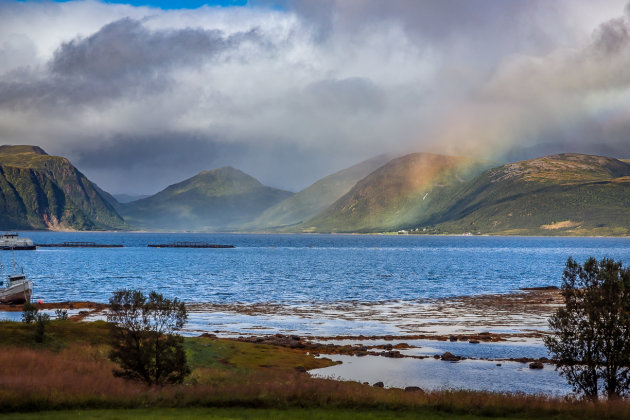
<point>82,371</point>
<point>81,378</point>
<point>560,225</point>
<point>57,305</point>
<point>296,342</point>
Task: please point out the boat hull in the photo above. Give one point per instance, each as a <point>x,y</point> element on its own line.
<point>18,247</point>
<point>17,293</point>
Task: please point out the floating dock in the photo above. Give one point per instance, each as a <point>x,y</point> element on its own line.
<point>189,245</point>
<point>79,245</point>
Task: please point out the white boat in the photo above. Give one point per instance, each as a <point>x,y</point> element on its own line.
<point>18,289</point>
<point>11,241</point>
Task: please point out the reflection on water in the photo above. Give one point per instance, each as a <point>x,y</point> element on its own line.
<point>533,348</point>
<point>431,374</point>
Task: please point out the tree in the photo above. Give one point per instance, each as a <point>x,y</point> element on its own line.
<point>30,314</point>
<point>41,321</point>
<point>144,342</point>
<point>590,341</point>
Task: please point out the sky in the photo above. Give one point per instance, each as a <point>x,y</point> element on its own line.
<point>144,94</point>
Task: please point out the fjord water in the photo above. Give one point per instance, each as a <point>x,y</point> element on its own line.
<point>303,268</point>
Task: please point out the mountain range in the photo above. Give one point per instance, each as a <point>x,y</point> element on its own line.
<point>561,194</point>
<point>306,204</point>
<point>402,192</point>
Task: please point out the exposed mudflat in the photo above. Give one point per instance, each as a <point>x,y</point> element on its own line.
<point>515,316</point>
<point>507,316</point>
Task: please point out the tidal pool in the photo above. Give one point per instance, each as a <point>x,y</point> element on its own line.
<point>431,374</point>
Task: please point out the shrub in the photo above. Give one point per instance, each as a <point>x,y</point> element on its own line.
<point>41,321</point>
<point>29,313</point>
<point>144,343</point>
<point>61,314</point>
<point>591,332</point>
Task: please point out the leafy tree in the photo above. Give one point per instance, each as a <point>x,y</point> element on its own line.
<point>590,344</point>
<point>144,342</point>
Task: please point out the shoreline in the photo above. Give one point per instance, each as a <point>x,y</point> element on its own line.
<point>497,317</point>
<point>393,233</point>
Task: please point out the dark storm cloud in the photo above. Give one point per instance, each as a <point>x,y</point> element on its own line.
<point>123,58</point>
<point>613,37</point>
<point>125,49</point>
<point>129,162</point>
<point>161,151</point>
<point>441,22</point>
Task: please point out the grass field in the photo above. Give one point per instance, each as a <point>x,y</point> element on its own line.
<point>246,413</point>
<point>69,375</point>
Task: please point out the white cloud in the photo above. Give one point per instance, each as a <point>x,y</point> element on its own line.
<point>336,81</point>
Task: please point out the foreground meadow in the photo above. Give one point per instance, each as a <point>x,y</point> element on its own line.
<point>70,375</point>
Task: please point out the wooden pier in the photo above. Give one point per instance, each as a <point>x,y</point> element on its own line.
<point>79,245</point>
<point>189,245</point>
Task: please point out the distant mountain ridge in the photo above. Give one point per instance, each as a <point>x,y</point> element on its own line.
<point>561,194</point>
<point>404,191</point>
<point>40,191</point>
<point>316,198</point>
<point>219,199</point>
<point>128,198</point>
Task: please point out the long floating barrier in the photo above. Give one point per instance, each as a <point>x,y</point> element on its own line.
<point>80,245</point>
<point>189,245</point>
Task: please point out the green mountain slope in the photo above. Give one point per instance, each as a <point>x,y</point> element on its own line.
<point>565,194</point>
<point>398,194</point>
<point>316,198</point>
<point>39,191</point>
<point>220,199</point>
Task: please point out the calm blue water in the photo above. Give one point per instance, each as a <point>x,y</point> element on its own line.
<point>303,268</point>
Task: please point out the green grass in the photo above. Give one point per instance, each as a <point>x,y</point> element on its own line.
<point>245,413</point>
<point>227,354</point>
<point>59,334</point>
<point>235,413</point>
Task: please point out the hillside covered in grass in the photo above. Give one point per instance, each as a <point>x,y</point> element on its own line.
<point>40,191</point>
<point>402,192</point>
<point>564,194</point>
<point>316,198</point>
<point>220,199</point>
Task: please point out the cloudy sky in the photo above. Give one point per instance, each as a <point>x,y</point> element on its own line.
<point>143,95</point>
